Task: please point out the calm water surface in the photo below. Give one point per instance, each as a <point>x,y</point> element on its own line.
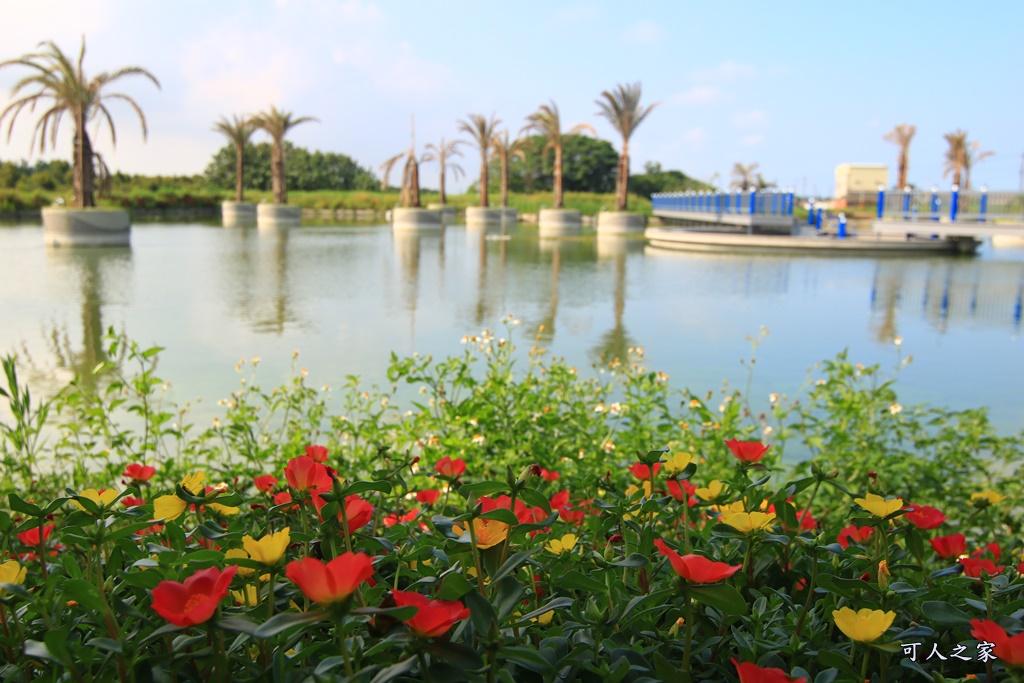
<point>346,296</point>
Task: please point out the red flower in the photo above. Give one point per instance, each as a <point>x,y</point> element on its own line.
<point>139,473</point>
<point>854,534</point>
<point>305,474</point>
<point>974,567</point>
<point>925,517</point>
<point>334,581</point>
<point>951,546</point>
<point>678,487</point>
<point>31,537</point>
<point>807,521</point>
<point>130,501</point>
<point>1010,650</point>
<point>642,471</point>
<point>447,467</point>
<point>747,451</point>
<point>993,548</point>
<point>428,497</point>
<point>358,512</point>
<point>265,482</point>
<point>282,497</point>
<point>1020,568</point>
<point>549,476</point>
<point>695,568</point>
<point>392,519</point>
<point>752,673</point>
<point>523,513</point>
<point>195,600</point>
<point>570,515</point>
<point>318,453</point>
<point>433,617</point>
<point>560,499</point>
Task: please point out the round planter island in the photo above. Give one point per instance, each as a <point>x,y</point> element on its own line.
<point>447,212</point>
<point>509,216</point>
<point>237,214</point>
<point>416,219</point>
<point>620,223</point>
<point>64,227</point>
<point>555,222</point>
<point>483,215</point>
<point>278,216</point>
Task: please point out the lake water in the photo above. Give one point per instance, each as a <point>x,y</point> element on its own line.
<point>347,296</point>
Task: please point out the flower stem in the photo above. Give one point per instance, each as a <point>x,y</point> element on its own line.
<point>688,609</point>
<point>476,557</point>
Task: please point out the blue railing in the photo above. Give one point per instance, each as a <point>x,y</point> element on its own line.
<point>736,202</point>
<point>956,205</point>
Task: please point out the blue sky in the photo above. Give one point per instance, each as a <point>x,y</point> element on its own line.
<point>797,87</point>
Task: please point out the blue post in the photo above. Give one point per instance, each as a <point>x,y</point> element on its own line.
<point>775,201</point>
<point>727,198</point>
<point>934,208</point>
<point>906,202</point>
<point>789,203</point>
<point>817,224</point>
<point>954,201</point>
<point>881,202</point>
<point>842,226</point>
<point>810,213</point>
<point>718,202</point>
<point>984,204</point>
<point>753,200</point>
<point>739,201</point>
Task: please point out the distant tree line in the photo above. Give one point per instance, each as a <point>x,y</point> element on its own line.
<point>305,170</point>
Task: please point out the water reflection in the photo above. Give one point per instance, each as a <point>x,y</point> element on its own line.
<point>615,343</point>
<point>257,280</point>
<point>409,247</point>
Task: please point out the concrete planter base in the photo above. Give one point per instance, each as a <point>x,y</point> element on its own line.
<point>278,216</point>
<point>447,212</point>
<point>482,215</point>
<point>237,214</point>
<point>509,216</point>
<point>415,219</point>
<point>620,223</point>
<point>555,222</point>
<point>86,227</point>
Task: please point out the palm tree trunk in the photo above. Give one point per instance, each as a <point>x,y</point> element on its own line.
<point>483,177</point>
<point>558,176</point>
<point>444,197</point>
<point>622,182</point>
<point>82,171</point>
<point>902,169</point>
<point>277,178</point>
<point>504,181</point>
<point>239,194</point>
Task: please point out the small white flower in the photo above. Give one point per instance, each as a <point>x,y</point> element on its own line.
<point>895,408</point>
<point>615,407</point>
<point>897,341</point>
<point>478,439</point>
<point>599,408</point>
<point>608,446</point>
<point>820,382</point>
<point>384,402</point>
<point>768,430</point>
<point>773,398</point>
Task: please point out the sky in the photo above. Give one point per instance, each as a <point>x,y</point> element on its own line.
<point>796,87</point>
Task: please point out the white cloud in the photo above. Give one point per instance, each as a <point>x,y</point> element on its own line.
<point>752,140</point>
<point>701,94</point>
<point>726,71</point>
<point>644,32</point>
<point>755,118</point>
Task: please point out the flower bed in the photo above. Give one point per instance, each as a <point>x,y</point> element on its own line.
<point>517,523</point>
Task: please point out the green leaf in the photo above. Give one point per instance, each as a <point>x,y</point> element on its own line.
<point>24,507</point>
<point>453,587</point>
<point>513,563</point>
<point>721,596</point>
<point>634,560</point>
<point>481,612</point>
<point>397,613</point>
<point>395,670</point>
<point>482,488</point>
<point>556,604</point>
<point>666,670</point>
<point>501,515</point>
<point>282,622</point>
<point>465,657</point>
<point>85,594</point>
<point>536,499</point>
<point>944,613</point>
<point>574,580</point>
<point>528,658</point>
<point>238,625</point>
<point>364,486</point>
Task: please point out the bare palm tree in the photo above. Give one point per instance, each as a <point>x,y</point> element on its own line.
<point>960,157</point>
<point>547,122</point>
<point>622,109</point>
<point>410,193</point>
<point>238,130</point>
<point>276,123</point>
<point>504,150</point>
<point>63,88</point>
<point>901,136</point>
<point>744,177</point>
<point>973,156</point>
<point>441,154</point>
<point>482,131</point>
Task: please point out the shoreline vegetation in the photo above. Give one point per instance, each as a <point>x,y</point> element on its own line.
<point>519,520</point>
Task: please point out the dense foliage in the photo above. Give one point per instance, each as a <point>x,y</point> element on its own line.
<point>515,521</point>
<point>305,170</point>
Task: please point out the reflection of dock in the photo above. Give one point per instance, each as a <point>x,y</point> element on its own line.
<point>948,294</point>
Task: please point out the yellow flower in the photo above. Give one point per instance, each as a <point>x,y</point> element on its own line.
<point>878,506</point>
<point>269,549</point>
<point>864,626</point>
<point>633,489</point>
<point>193,483</point>
<point>489,532</point>
<point>749,522</point>
<point>101,498</point>
<point>730,508</point>
<point>544,619</point>
<point>987,497</point>
<point>247,597</point>
<point>677,462</point>
<point>711,491</point>
<point>223,509</point>
<point>12,572</point>
<point>168,507</point>
<point>562,545</point>
<point>239,554</point>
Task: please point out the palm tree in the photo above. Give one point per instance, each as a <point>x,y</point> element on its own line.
<point>410,194</point>
<point>622,109</point>
<point>901,136</point>
<point>973,157</point>
<point>961,156</point>
<point>238,130</point>
<point>441,154</point>
<point>276,123</point>
<point>504,151</point>
<point>547,122</point>
<point>65,89</point>
<point>482,131</point>
<point>743,177</point>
